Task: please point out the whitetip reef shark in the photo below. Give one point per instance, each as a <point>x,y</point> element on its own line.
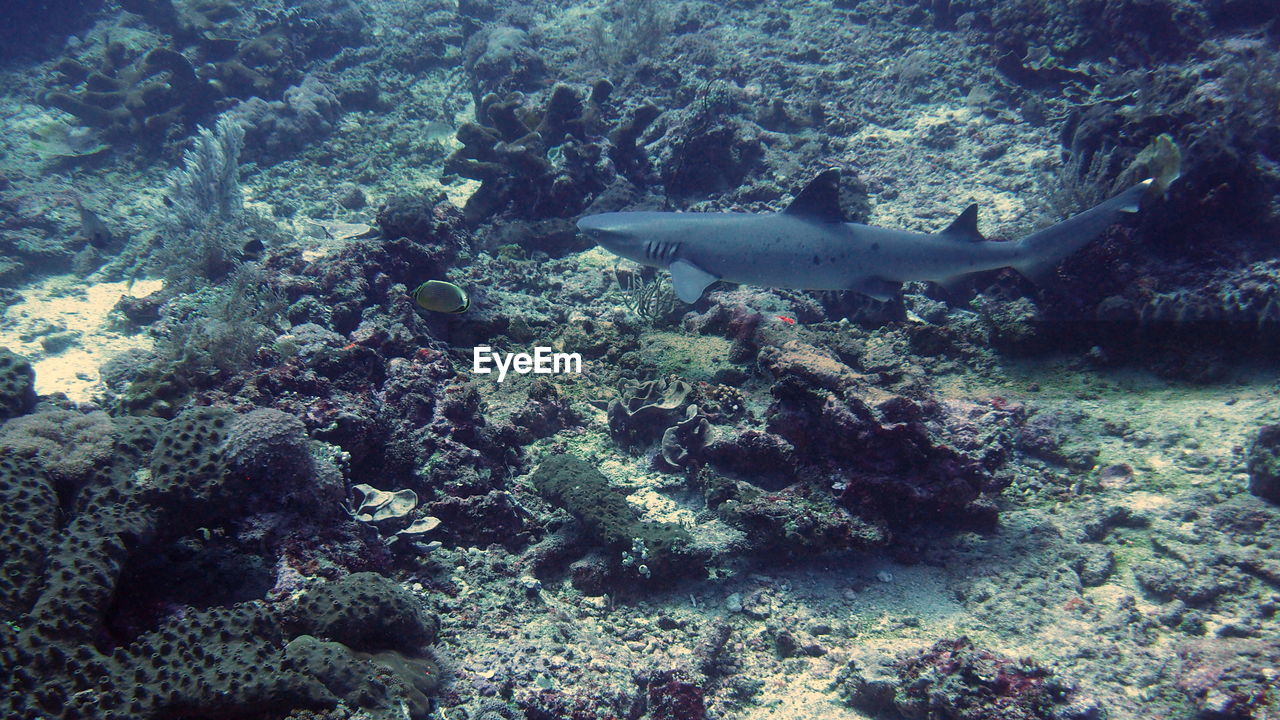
<point>809,246</point>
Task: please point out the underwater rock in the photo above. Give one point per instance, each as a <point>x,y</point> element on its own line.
<point>1055,435</point>
<point>711,160</point>
<point>709,147</point>
<point>1161,272</point>
<point>161,94</point>
<point>627,153</point>
<point>1020,34</point>
<point>428,218</point>
<point>592,574</point>
<point>1094,565</point>
<point>761,458</point>
<point>1264,464</point>
<point>797,521</point>
<point>673,696</point>
<point>1196,584</point>
<point>480,520</point>
<point>341,611</point>
<point>955,679</point>
<point>25,535</point>
<point>546,412</point>
<point>72,447</point>
<point>533,163</point>
<point>437,430</point>
<point>812,365</point>
<point>421,37</point>
<point>385,685</point>
<point>269,446</point>
<point>378,272</point>
<point>1228,679</point>
<point>736,321</point>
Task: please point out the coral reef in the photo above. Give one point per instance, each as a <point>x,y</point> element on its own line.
<point>709,147</point>
<point>792,522</point>
<point>292,496</point>
<point>207,186</point>
<point>500,59</point>
<point>428,218</point>
<point>151,96</point>
<point>644,411</point>
<point>683,442</point>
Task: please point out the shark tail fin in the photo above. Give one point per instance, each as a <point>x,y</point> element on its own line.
<point>1042,251</point>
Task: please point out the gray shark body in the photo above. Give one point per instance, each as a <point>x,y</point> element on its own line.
<point>809,247</point>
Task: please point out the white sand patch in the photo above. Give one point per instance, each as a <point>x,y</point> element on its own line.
<point>67,303</point>
<point>872,134</point>
<point>945,116</point>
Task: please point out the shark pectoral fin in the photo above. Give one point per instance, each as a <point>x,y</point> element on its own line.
<point>690,280</point>
<point>877,288</point>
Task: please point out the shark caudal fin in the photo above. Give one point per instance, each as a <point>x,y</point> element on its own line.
<point>1042,251</point>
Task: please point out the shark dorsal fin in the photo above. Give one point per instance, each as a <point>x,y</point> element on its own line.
<point>965,226</point>
<point>820,199</point>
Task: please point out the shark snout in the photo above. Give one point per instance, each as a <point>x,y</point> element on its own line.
<point>603,224</point>
<point>632,235</point>
<point>607,230</point>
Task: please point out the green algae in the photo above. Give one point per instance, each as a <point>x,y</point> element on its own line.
<point>699,358</point>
